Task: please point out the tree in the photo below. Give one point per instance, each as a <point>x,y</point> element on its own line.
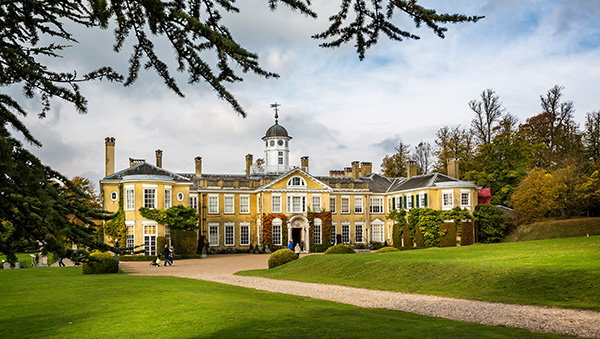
<point>177,217</point>
<point>488,112</point>
<point>395,166</point>
<point>592,136</point>
<point>490,222</point>
<point>33,32</point>
<point>423,156</point>
<point>258,167</point>
<point>454,143</point>
<point>503,163</point>
<point>535,196</point>
<point>86,186</point>
<point>554,132</point>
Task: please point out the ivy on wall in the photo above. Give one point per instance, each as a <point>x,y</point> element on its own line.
<point>325,228</point>
<point>267,230</point>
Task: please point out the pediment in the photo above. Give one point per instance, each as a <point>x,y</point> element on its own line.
<point>296,180</point>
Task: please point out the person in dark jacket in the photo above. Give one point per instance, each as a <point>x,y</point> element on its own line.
<point>117,246</point>
<point>167,253</point>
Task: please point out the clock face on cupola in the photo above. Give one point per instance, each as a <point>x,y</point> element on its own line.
<point>277,146</point>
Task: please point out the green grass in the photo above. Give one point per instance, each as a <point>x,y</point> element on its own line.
<point>63,303</point>
<point>559,272</point>
<point>553,229</point>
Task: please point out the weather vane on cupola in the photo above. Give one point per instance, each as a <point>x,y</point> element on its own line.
<point>275,105</point>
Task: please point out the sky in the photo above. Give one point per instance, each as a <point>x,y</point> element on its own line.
<point>337,108</point>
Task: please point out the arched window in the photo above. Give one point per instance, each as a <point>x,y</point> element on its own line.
<point>296,182</point>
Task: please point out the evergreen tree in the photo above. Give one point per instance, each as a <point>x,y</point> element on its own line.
<point>592,136</point>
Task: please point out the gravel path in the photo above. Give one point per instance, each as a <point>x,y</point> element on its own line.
<point>539,319</point>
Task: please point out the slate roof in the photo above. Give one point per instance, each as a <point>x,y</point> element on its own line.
<point>146,171</point>
<point>427,180</point>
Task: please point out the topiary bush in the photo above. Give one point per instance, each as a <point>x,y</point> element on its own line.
<point>280,257</point>
<point>100,263</point>
<point>184,241</point>
<point>490,222</point>
<point>340,249</point>
<point>387,249</point>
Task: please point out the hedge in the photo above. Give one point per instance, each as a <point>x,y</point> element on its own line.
<point>340,249</point>
<point>100,263</point>
<point>282,256</point>
<point>184,241</point>
<point>387,249</point>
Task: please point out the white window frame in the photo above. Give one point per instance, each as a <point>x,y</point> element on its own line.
<point>318,231</point>
<point>316,203</point>
<point>213,237</point>
<point>229,234</point>
<point>345,232</point>
<point>244,234</point>
<point>167,231</point>
<point>300,199</point>
<point>130,242</point>
<point>258,230</point>
<point>180,196</point>
<point>150,229</point>
<point>468,193</point>
<point>194,201</point>
<point>333,232</point>
<point>229,204</point>
<point>277,231</point>
<point>377,232</point>
<point>168,197</point>
<point>359,226</point>
<point>114,196</point>
<point>296,181</point>
<point>258,203</point>
<point>409,201</point>
<point>276,208</point>
<point>376,205</point>
<point>148,201</point>
<point>447,199</point>
<point>213,208</point>
<point>358,204</point>
<point>332,202</point>
<point>244,204</point>
<point>130,198</point>
<point>347,199</point>
<point>422,202</point>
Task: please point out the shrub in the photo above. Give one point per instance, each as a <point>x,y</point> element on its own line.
<point>161,242</point>
<point>387,249</point>
<point>374,245</point>
<point>100,263</point>
<point>490,222</point>
<point>281,257</point>
<point>184,241</point>
<point>340,249</point>
<point>408,243</point>
<point>361,246</point>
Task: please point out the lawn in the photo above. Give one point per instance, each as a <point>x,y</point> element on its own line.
<point>63,303</point>
<point>552,229</point>
<point>558,272</point>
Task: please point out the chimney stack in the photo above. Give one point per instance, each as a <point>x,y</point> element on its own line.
<point>198,166</point>
<point>453,169</point>
<point>159,158</point>
<point>109,143</point>
<point>248,163</point>
<point>304,163</point>
<point>411,169</point>
<point>347,171</point>
<point>355,170</point>
<point>365,168</point>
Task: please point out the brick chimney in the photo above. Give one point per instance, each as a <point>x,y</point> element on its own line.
<point>365,168</point>
<point>347,171</point>
<point>248,163</point>
<point>355,170</point>
<point>159,153</point>
<point>411,169</point>
<point>198,161</point>
<point>453,169</point>
<point>109,143</point>
<point>304,163</point>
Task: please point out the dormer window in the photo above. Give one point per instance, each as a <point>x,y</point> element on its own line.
<point>296,182</point>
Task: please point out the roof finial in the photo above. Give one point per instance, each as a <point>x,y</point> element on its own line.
<point>275,105</point>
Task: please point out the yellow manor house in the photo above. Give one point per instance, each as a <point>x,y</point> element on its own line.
<point>279,202</point>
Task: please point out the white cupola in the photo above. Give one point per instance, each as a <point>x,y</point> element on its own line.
<point>277,151</point>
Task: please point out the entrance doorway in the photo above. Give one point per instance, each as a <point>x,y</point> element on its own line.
<point>296,235</point>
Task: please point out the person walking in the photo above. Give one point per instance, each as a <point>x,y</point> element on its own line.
<point>291,245</point>
<point>117,254</point>
<point>297,250</point>
<point>167,253</point>
<point>61,263</point>
<point>172,255</point>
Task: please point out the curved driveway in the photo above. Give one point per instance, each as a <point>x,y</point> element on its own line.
<point>220,268</point>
